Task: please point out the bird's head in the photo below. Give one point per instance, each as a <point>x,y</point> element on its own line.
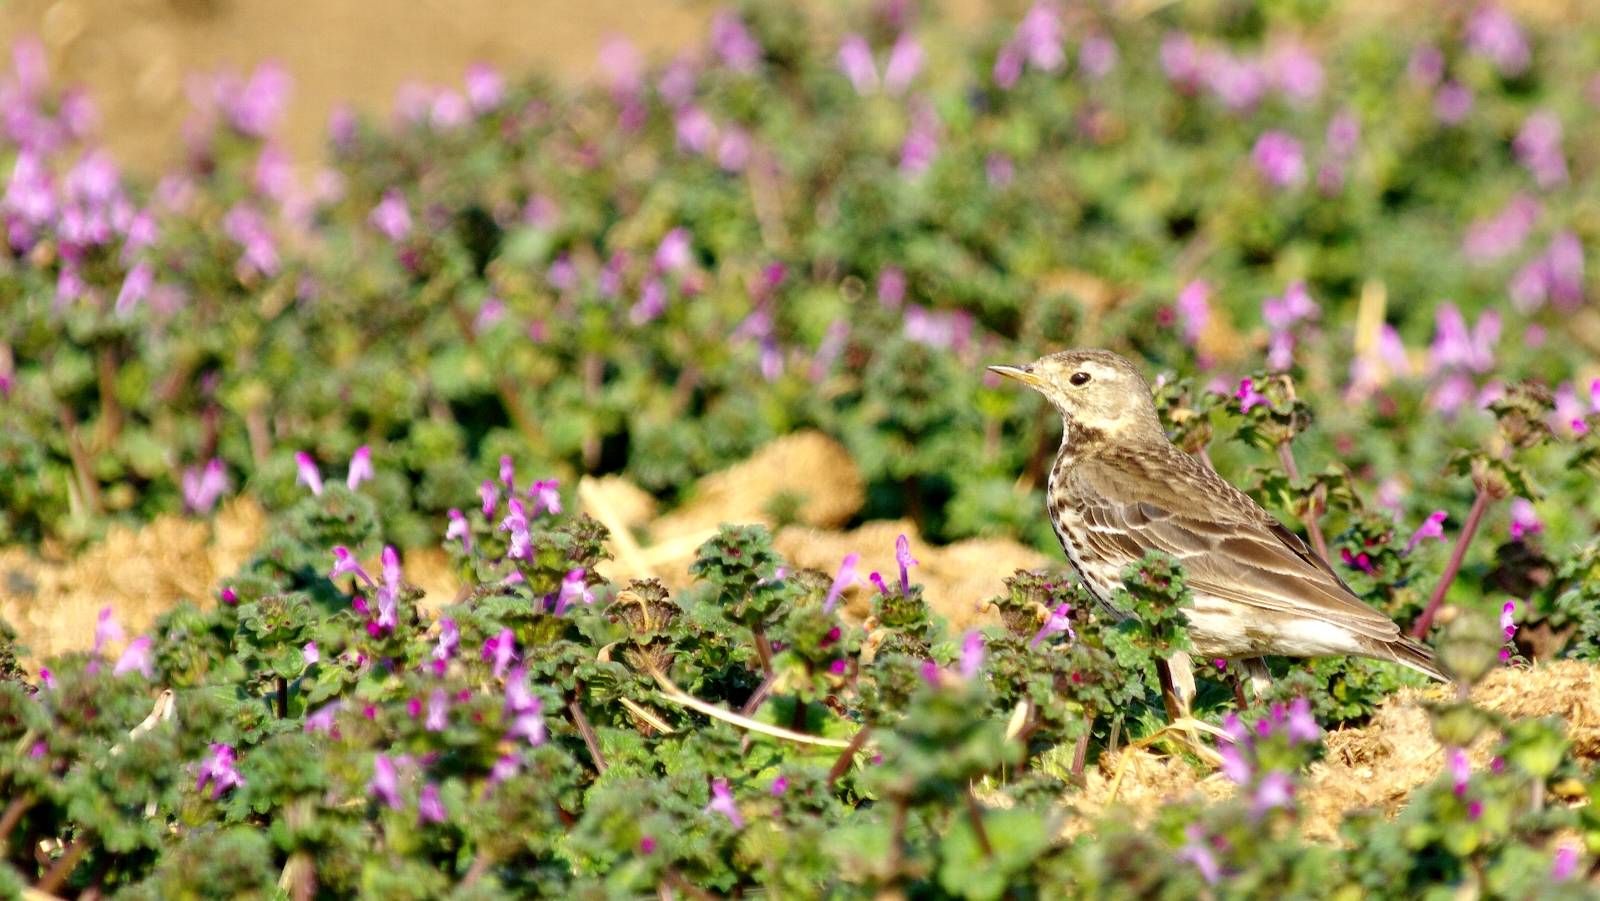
<point>1096,391</point>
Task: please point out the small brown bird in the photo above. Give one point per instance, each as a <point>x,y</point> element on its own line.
<point>1119,488</point>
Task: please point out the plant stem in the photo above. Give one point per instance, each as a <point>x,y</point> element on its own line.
<point>1457,554</point>
<point>763,649</point>
<point>848,755</point>
<point>975,817</point>
<point>13,814</point>
<point>581,723</point>
<point>1313,528</point>
<point>283,698</point>
<point>1080,755</point>
<point>797,720</point>
<point>110,410</point>
<point>63,868</point>
<point>82,466</point>
<point>762,692</point>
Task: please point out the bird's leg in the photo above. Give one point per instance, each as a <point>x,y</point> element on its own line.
<point>1260,678</point>
<point>1176,675</point>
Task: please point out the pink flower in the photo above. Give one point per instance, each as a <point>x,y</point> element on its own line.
<point>1249,397</point>
<point>136,657</point>
<point>438,711</point>
<point>256,107</point>
<point>971,654</point>
<point>135,288</point>
<point>843,579</point>
<point>1492,33</point>
<point>921,144</point>
<point>1524,519</point>
<point>508,474</point>
<point>449,639</point>
<point>516,522</point>
<point>360,469</point>
<point>485,88</point>
<point>1538,149</point>
<point>309,655</point>
<point>780,786</point>
<point>855,60</point>
<point>1432,527</point>
<point>501,649</point>
<point>733,149</point>
<point>722,802</point>
<point>1234,763</point>
<point>695,129</point>
<point>1097,56</point>
<point>430,808</point>
<point>905,61</point>
<point>902,556</point>
<point>651,304</point>
<point>321,720</point>
<point>385,783</point>
<point>1301,726</point>
<point>1565,864</point>
<point>459,530</point>
<point>734,43</point>
<point>674,253</point>
<point>1060,621</point>
<point>574,590</point>
<point>1275,790</point>
<point>1490,239</point>
<point>203,487</point>
<point>546,495</point>
<point>1453,102</point>
<point>1279,159</point>
<point>490,496</point>
<point>891,287</point>
<point>345,563</point>
<point>106,630</point>
<point>1199,853</point>
<point>1426,66</point>
<point>1295,71</point>
<point>1508,621</point>
<point>525,709</point>
<point>1457,347</point>
<point>307,472</point>
<point>1194,309</point>
<point>1180,61</point>
<point>218,769</point>
<point>1460,768</point>
<point>391,217</point>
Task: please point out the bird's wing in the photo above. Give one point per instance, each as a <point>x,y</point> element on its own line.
<point>1230,548</point>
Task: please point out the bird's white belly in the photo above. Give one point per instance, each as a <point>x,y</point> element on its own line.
<point>1220,628</point>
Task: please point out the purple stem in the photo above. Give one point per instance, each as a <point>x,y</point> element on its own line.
<point>1457,554</point>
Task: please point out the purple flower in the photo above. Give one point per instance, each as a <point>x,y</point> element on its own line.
<point>360,467</point>
<point>504,768</point>
<point>829,351</point>
<point>508,474</point>
<point>1234,763</point>
<point>1275,790</point>
<point>855,60</point>
<point>1249,397</point>
<point>651,304</point>
<point>218,769</point>
<point>490,495</point>
<point>902,556</point>
<point>308,474</point>
<point>106,630</point>
<point>546,496</point>
<point>999,170</point>
<point>385,784</point>
<point>1180,60</point>
<point>391,217</point>
<point>1565,864</point>
<point>203,487</point>
<point>501,649</point>
<point>459,530</point>
<point>255,108</point>
<point>1301,726</point>
<point>1538,149</point>
<point>309,655</point>
<point>574,590</point>
<point>843,579</point>
<point>1456,347</point>
<point>1039,37</point>
<point>135,288</point>
<point>1279,159</point>
<point>485,88</point>
<point>389,591</point>
<point>1060,621</point>
<point>1426,65</point>
<point>1453,102</point>
<point>1239,83</point>
<point>1361,561</point>
<point>674,253</point>
<point>516,522</point>
<point>876,578</point>
<point>722,802</point>
<point>891,287</point>
<point>1194,309</point>
<point>1198,852</point>
<point>245,226</point>
<point>1295,71</point>
<point>780,786</point>
<point>524,709</point>
<point>1097,56</point>
<point>905,61</point>
<point>921,144</point>
<point>449,639</point>
<point>1432,527</point>
<point>1508,621</point>
<point>623,65</point>
<point>345,563</point>
<point>438,711</point>
<point>1460,768</point>
<point>1524,519</point>
<point>971,654</point>
<point>135,657</point>
<point>321,720</point>
<point>695,129</point>
<point>1492,33</point>
<point>1490,239</point>
<point>733,149</point>
<point>733,43</point>
<point>430,808</point>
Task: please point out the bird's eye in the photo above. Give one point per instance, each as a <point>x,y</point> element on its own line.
<point>1079,378</point>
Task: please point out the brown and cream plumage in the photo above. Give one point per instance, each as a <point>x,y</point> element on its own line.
<point>1119,488</point>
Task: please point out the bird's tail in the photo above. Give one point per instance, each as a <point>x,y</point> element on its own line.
<point>1418,656</point>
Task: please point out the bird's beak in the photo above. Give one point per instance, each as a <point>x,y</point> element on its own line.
<point>1023,374</point>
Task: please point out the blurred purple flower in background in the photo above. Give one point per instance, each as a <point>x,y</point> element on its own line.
<point>1180,61</point>
<point>1249,397</point>
<point>360,469</point>
<point>204,486</point>
<point>675,252</point>
<point>485,87</point>
<point>905,62</point>
<point>891,287</point>
<point>345,563</point>
<point>855,60</point>
<point>430,807</point>
<point>307,472</point>
<point>1455,347</point>
<point>1194,310</point>
<point>245,225</point>
<point>1060,621</point>
<point>651,304</point>
<point>844,578</point>
<point>525,709</point>
<point>1489,239</point>
<point>458,529</point>
<point>391,217</point>
<point>1279,159</point>
<point>574,590</point>
<point>922,139</point>
<point>1524,519</point>
<point>1295,71</point>
<point>1494,34</point>
<point>902,557</point>
<point>500,649</point>
<point>1097,55</point>
<point>1037,42</point>
<point>1426,66</point>
<point>1538,148</point>
<point>1453,102</point>
<point>1432,527</point>
<point>722,802</point>
<point>1198,852</point>
<point>310,655</point>
<point>385,784</point>
<point>135,658</point>
<point>971,654</point>
<point>733,43</point>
